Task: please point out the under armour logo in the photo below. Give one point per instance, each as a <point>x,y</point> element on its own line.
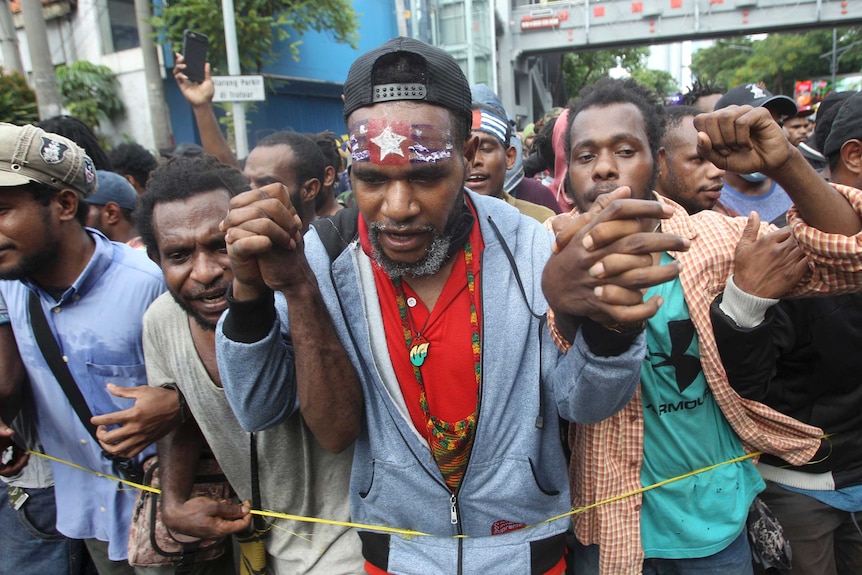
<point>686,366</point>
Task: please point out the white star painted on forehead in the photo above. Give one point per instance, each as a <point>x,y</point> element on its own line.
<point>389,143</point>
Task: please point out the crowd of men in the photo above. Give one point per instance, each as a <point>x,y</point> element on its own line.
<point>422,375</point>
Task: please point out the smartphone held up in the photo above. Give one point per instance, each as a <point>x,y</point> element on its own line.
<point>195,54</point>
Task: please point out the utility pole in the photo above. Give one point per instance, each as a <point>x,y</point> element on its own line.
<point>44,81</point>
<point>239,129</point>
<point>834,65</point>
<point>836,54</point>
<point>9,40</point>
<point>155,92</point>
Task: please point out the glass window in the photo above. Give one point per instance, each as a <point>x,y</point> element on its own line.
<point>123,25</point>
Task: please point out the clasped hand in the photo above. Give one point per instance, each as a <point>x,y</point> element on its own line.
<point>263,233</point>
<point>603,260</point>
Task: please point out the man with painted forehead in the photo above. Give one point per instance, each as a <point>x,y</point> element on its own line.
<point>435,294</point>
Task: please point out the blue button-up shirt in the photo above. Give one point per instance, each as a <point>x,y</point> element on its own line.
<point>98,326</point>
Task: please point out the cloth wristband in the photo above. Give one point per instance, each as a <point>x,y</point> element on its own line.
<point>251,320</point>
<point>604,342</point>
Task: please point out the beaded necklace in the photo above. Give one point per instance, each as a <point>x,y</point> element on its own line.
<point>450,442</point>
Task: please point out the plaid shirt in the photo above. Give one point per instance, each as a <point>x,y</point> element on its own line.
<point>607,456</point>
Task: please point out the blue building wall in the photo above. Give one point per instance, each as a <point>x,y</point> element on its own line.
<point>303,96</point>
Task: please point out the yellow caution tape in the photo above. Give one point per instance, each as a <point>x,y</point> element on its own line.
<point>410,532</point>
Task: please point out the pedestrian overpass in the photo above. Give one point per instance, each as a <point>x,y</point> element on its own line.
<point>565,26</point>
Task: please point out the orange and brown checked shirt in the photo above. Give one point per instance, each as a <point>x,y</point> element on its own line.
<point>607,456</point>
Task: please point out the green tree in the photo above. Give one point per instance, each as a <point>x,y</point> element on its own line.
<point>719,62</point>
<point>260,25</point>
<point>779,59</point>
<point>660,81</point>
<point>17,100</point>
<point>581,69</point>
<point>89,92</point>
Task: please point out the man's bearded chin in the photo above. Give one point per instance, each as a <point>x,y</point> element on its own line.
<point>434,258</point>
<point>202,322</point>
<point>31,264</point>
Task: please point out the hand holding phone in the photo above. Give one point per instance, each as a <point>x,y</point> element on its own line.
<point>195,54</point>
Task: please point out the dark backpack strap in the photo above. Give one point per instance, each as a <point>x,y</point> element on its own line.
<point>337,231</point>
<point>259,520</point>
<point>51,351</point>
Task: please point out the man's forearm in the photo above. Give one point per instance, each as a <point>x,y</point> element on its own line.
<point>212,138</point>
<point>10,400</point>
<point>330,397</point>
<point>12,375</point>
<point>179,452</point>
<point>749,352</point>
<point>819,204</point>
<point>253,333</point>
<point>589,388</point>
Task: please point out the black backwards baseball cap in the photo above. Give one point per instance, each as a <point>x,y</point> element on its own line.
<point>832,99</point>
<point>755,96</point>
<point>31,155</point>
<point>433,76</point>
<point>847,125</point>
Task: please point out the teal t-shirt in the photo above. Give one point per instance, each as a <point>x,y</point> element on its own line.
<point>684,430</point>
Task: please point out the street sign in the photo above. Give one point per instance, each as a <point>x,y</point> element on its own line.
<point>238,89</point>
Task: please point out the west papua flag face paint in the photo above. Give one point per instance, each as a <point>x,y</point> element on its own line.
<point>394,143</point>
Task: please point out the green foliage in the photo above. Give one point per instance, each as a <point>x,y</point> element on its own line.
<point>260,25</point>
<point>89,92</point>
<point>581,69</point>
<point>226,117</point>
<point>17,100</point>
<point>660,81</point>
<point>719,62</point>
<point>779,59</point>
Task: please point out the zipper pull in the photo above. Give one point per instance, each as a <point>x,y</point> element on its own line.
<point>453,512</point>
